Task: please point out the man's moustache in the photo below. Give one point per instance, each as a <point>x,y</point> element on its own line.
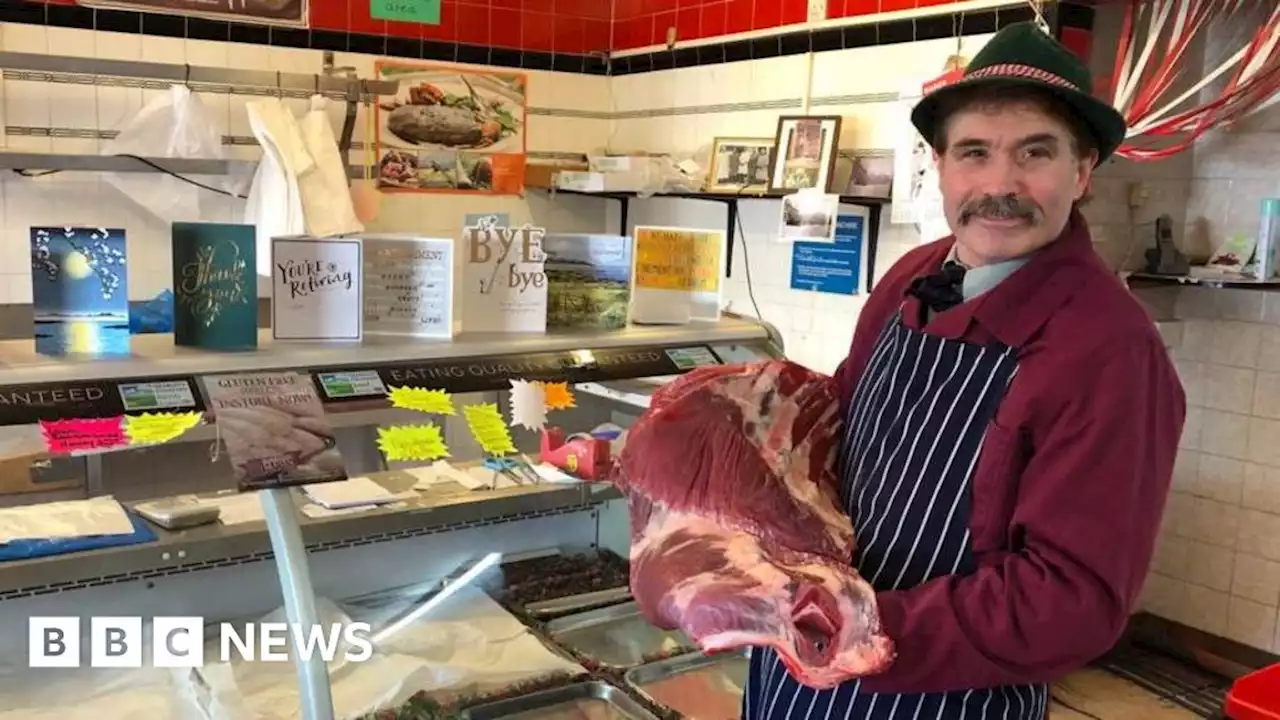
<point>1000,207</point>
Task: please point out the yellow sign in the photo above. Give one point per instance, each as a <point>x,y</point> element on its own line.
<point>678,259</point>
<point>489,429</point>
<point>422,400</point>
<point>558,396</point>
<point>155,428</point>
<point>412,442</point>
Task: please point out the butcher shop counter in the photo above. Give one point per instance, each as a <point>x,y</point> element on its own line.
<point>159,530</point>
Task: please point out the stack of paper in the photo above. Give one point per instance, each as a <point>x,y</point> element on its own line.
<point>349,493</point>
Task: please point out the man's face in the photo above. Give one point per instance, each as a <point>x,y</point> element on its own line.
<point>1009,177</point>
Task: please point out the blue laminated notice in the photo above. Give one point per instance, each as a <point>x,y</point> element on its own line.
<point>830,267</point>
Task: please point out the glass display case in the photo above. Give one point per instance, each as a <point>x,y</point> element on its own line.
<point>412,589</point>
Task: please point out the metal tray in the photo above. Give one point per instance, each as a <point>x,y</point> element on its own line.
<point>557,607</point>
<point>617,635</point>
<point>563,699</point>
<point>734,665</point>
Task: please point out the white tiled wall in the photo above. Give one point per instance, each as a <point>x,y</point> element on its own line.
<point>1217,565</point>
<point>85,198</point>
<point>744,99</point>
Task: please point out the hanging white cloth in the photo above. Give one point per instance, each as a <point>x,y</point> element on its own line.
<point>301,184</point>
<point>326,196</point>
<point>274,206</point>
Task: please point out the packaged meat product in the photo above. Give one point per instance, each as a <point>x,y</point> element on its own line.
<point>738,538</point>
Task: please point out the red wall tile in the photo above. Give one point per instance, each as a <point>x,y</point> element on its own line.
<point>740,13</point>
<point>584,26</point>
<point>714,19</point>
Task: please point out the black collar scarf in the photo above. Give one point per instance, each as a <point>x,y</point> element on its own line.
<point>942,290</point>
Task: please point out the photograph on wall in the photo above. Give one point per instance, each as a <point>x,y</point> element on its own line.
<point>79,291</point>
<point>916,196</point>
<point>450,130</point>
<point>809,215</point>
<point>806,152</point>
<point>276,12</point>
<point>739,165</point>
<point>871,177</point>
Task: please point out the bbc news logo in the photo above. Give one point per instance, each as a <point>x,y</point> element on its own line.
<point>179,642</point>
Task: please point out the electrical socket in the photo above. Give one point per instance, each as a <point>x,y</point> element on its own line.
<point>1138,195</point>
<point>817,10</point>
<point>671,37</point>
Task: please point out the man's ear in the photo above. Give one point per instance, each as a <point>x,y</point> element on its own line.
<point>1084,174</point>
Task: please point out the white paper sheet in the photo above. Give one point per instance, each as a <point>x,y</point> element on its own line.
<point>348,493</point>
<point>237,509</point>
<point>61,520</point>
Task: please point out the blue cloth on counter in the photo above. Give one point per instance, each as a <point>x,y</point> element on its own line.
<point>29,549</point>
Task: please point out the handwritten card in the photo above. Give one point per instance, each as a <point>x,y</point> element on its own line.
<point>504,280</point>
<point>317,289</point>
<point>408,286</point>
<point>65,437</point>
<point>675,275</point>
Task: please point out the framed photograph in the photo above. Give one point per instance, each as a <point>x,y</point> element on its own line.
<point>806,155</point>
<point>809,216</point>
<point>739,165</point>
<point>872,176</point>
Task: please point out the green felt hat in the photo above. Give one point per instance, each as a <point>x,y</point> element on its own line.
<point>1023,54</point>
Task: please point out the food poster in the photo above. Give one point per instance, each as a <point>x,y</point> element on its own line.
<point>588,280</point>
<point>317,289</point>
<point>408,286</point>
<point>215,286</point>
<point>273,429</point>
<point>676,275</point>
<point>79,289</point>
<point>451,130</point>
<point>503,280</point>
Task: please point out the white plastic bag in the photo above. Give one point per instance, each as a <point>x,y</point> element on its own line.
<point>175,124</point>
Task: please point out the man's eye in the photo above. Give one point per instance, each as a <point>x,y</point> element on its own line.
<point>973,153</point>
<point>1038,152</point>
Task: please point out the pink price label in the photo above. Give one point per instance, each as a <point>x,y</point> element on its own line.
<point>63,437</point>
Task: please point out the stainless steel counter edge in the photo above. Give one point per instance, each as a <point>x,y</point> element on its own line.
<point>156,355</point>
<point>218,545</point>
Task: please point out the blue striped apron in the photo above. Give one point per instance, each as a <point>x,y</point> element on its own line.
<point>911,440</point>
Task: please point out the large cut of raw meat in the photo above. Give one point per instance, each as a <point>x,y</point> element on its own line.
<point>737,536</point>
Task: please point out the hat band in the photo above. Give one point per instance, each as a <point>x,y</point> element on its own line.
<point>1021,71</point>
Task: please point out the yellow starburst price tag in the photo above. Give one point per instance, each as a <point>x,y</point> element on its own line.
<point>437,402</point>
<point>156,428</point>
<point>489,429</point>
<point>412,443</point>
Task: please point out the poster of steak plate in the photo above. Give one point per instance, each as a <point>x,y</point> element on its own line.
<point>275,12</point>
<point>273,429</point>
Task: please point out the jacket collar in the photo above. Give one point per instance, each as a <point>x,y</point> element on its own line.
<point>1024,297</point>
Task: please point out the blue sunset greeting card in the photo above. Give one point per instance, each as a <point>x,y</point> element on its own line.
<point>79,291</point>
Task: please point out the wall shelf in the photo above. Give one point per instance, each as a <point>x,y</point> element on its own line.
<point>1233,282</point>
<point>873,206</point>
<point>268,82</point>
<point>56,162</point>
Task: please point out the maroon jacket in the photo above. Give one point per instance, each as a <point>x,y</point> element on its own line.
<point>1069,487</point>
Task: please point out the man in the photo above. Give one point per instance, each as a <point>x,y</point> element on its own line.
<point>1011,416</point>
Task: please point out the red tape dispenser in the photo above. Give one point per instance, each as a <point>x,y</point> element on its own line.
<point>583,456</point>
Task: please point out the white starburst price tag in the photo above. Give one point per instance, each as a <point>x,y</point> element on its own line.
<point>528,404</point>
